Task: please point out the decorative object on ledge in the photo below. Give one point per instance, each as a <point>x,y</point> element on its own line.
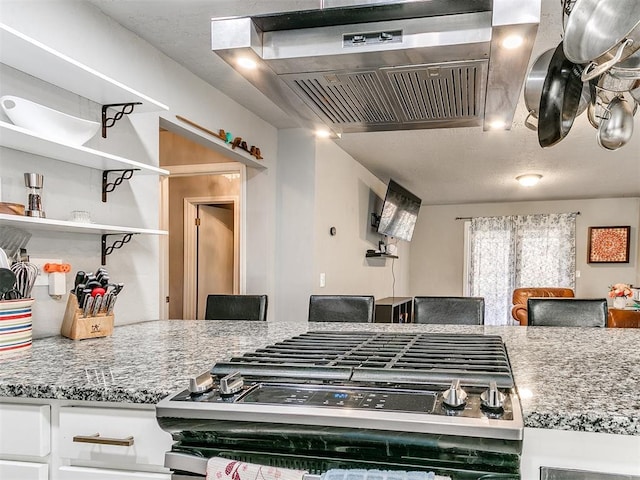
<point>609,244</point>
<point>108,122</point>
<point>226,137</point>
<point>110,187</point>
<point>116,245</point>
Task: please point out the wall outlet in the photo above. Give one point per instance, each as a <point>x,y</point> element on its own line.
<point>323,280</point>
<point>43,278</point>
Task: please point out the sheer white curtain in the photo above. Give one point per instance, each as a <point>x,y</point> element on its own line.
<point>519,251</point>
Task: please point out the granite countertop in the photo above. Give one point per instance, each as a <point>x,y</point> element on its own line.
<point>584,379</point>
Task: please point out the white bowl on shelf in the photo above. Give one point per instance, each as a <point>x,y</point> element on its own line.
<point>47,122</point>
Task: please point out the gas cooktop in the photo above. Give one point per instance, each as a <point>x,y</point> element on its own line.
<point>412,382</point>
<point>414,358</point>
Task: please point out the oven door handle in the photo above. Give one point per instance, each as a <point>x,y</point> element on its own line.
<point>198,465</point>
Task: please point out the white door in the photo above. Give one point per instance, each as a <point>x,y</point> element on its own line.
<point>215,252</point>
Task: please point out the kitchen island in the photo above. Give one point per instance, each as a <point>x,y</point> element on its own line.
<point>569,379</point>
<point>585,379</point>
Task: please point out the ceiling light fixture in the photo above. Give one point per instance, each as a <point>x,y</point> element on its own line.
<point>246,63</point>
<point>497,125</point>
<point>512,41</point>
<point>529,179</point>
<point>322,133</point>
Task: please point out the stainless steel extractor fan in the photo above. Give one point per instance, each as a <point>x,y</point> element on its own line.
<point>357,66</point>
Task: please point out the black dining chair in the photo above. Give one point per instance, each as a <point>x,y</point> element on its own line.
<point>567,312</point>
<point>236,307</point>
<point>341,308</point>
<point>449,310</point>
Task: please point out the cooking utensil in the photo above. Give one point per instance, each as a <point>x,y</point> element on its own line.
<point>560,98</point>
<point>616,128</point>
<point>26,274</point>
<point>534,84</point>
<point>7,281</point>
<point>612,83</point>
<point>602,32</point>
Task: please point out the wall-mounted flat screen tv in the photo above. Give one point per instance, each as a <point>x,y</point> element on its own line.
<point>399,212</point>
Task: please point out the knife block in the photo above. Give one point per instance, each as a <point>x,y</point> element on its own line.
<point>77,327</point>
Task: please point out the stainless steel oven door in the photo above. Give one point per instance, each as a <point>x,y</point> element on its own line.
<point>191,467</point>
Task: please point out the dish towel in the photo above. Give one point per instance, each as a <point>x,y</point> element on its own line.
<point>219,468</point>
<point>357,474</point>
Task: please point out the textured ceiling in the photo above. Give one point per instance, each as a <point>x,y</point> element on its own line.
<point>442,166</point>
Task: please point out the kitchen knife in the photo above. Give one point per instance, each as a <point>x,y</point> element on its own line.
<point>80,278</point>
<point>112,303</point>
<point>86,306</point>
<point>97,303</point>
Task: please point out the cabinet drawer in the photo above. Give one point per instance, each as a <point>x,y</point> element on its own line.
<point>25,430</point>
<point>23,470</point>
<point>84,429</point>
<point>84,473</point>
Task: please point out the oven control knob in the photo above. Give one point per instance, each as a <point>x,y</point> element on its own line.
<point>455,396</point>
<point>492,398</point>
<point>231,384</point>
<point>201,384</point>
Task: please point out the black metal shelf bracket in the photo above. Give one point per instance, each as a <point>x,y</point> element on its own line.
<point>108,122</point>
<point>110,187</point>
<point>108,250</point>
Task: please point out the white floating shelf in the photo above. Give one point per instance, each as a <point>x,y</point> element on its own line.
<point>22,139</point>
<point>211,141</point>
<point>47,224</point>
<point>35,58</point>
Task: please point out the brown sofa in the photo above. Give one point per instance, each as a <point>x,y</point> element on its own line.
<point>521,295</point>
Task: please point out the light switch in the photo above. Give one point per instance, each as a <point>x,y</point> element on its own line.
<point>323,280</point>
<point>577,273</point>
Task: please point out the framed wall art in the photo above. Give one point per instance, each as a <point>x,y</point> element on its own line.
<point>609,244</point>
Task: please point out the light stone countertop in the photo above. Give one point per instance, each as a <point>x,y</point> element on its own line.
<point>584,379</point>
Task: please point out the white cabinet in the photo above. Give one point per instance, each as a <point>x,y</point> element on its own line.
<point>23,470</point>
<point>26,430</point>
<point>111,443</point>
<point>83,473</point>
<point>588,451</point>
<point>25,441</point>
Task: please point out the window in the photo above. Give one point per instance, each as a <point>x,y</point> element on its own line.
<point>518,251</point>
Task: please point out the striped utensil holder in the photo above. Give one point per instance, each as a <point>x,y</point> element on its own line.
<point>15,325</point>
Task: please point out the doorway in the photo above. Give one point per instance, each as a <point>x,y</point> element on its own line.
<point>202,184</point>
<point>211,253</point>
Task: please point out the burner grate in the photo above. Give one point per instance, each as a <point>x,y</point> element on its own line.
<point>418,358</point>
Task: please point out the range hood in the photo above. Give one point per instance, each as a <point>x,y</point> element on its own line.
<point>378,65</point>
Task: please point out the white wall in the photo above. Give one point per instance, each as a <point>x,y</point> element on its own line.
<point>346,195</point>
<point>437,247</point>
<point>83,33</point>
<point>294,237</point>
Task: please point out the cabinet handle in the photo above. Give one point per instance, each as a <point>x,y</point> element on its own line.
<point>96,438</point>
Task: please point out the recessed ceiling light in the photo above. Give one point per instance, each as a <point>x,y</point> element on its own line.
<point>512,41</point>
<point>529,179</point>
<point>322,133</point>
<point>247,63</point>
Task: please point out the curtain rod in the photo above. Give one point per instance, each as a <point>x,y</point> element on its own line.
<point>471,218</point>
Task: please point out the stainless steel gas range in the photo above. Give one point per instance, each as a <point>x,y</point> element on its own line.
<point>441,403</point>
